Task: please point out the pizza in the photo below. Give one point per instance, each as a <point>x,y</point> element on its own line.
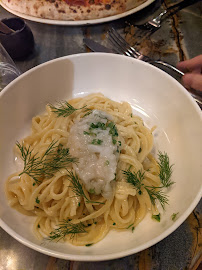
<point>71,9</point>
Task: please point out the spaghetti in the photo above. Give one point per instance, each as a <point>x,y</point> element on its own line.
<point>107,180</point>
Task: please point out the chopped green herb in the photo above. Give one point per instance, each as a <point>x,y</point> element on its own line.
<point>157,217</point>
<point>88,245</point>
<point>140,149</point>
<point>131,115</point>
<point>119,143</point>
<point>89,133</point>
<point>33,184</point>
<point>129,226</point>
<point>93,125</point>
<point>107,162</point>
<point>89,225</point>
<point>37,200</point>
<point>114,141</point>
<point>110,125</point>
<point>133,228</point>
<point>92,190</point>
<point>79,204</point>
<point>38,226</point>
<point>98,125</point>
<point>97,142</point>
<point>113,130</point>
<point>95,222</point>
<point>174,216</point>
<point>114,223</point>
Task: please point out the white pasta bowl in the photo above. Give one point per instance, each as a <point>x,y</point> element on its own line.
<point>155,96</point>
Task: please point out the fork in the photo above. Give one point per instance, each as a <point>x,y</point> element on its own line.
<point>122,47</point>
<point>154,24</point>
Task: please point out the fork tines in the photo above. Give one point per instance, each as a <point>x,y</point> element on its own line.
<point>120,45</point>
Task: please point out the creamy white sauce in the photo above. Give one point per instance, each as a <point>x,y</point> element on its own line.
<point>97,151</point>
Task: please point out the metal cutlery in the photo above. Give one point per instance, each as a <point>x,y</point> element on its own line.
<point>155,23</point>
<point>122,47</point>
<point>96,47</point>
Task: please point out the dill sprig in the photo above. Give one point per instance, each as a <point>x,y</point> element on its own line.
<point>32,163</point>
<point>54,159</point>
<point>129,226</point>
<point>59,160</point>
<point>135,179</point>
<point>165,169</point>
<point>155,193</point>
<point>87,112</point>
<point>65,228</point>
<point>157,217</point>
<point>77,186</point>
<point>174,216</point>
<point>64,109</point>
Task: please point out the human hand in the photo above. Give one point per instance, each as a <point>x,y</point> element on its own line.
<point>193,72</point>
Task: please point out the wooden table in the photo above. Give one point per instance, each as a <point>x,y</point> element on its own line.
<point>179,38</point>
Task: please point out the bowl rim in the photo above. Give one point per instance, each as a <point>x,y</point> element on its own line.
<point>100,54</point>
<point>127,252</point>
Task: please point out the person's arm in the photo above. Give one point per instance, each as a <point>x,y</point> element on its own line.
<point>193,72</point>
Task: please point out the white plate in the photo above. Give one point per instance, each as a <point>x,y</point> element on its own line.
<point>154,95</point>
<point>82,22</point>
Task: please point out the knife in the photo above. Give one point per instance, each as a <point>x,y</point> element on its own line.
<point>95,46</point>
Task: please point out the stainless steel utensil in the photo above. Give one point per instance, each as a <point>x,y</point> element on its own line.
<point>154,24</point>
<point>96,47</point>
<point>121,46</point>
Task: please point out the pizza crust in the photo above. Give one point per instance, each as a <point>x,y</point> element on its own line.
<point>60,10</point>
